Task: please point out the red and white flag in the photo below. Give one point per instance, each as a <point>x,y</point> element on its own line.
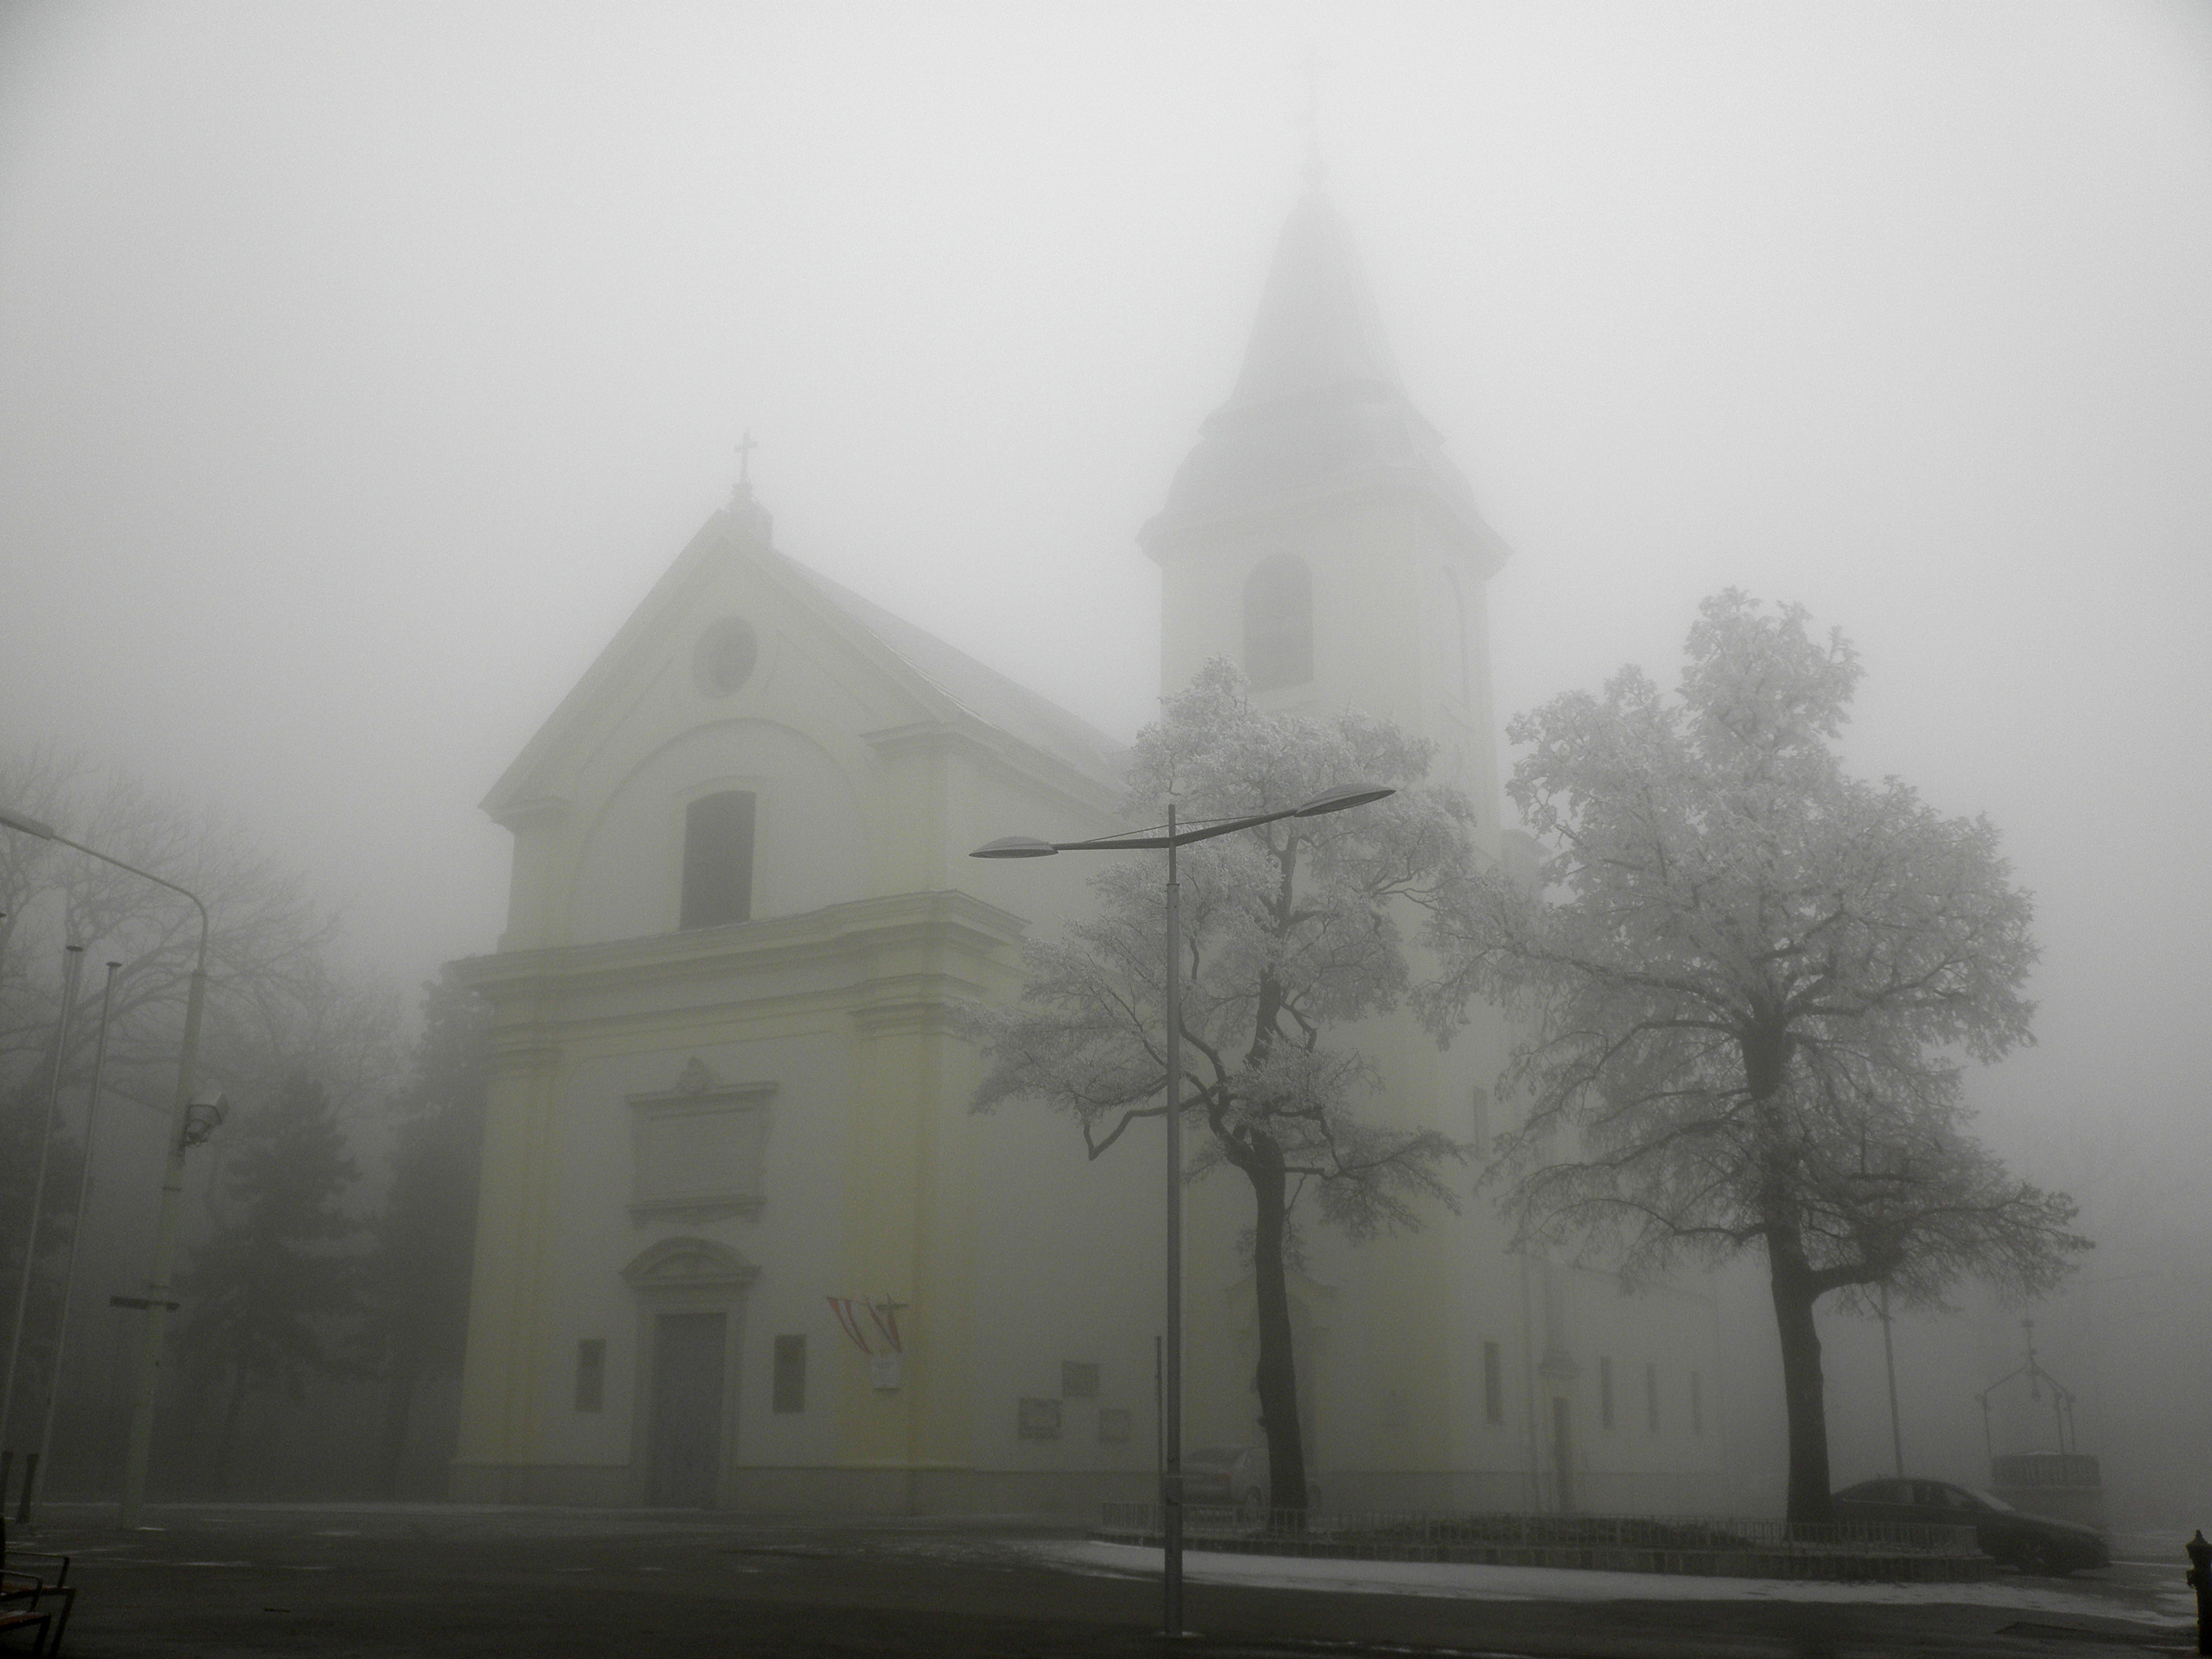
<point>849,1317</point>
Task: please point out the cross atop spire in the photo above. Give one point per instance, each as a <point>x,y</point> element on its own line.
<point>745,509</point>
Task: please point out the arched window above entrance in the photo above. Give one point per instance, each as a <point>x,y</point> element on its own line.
<point>718,859</point>
<point>1278,623</point>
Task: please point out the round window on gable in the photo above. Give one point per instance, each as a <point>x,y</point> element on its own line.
<point>725,656</point>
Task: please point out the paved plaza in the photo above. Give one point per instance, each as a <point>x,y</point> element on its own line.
<point>369,1582</point>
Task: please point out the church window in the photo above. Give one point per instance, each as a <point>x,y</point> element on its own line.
<point>1278,623</point>
<point>1605,1393</point>
<point>718,859</point>
<point>1651,1398</point>
<point>1079,1380</point>
<point>790,1391</point>
<point>1038,1420</point>
<point>1493,1384</point>
<point>723,660</point>
<point>591,1374</point>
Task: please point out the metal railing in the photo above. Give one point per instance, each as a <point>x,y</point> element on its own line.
<point>1360,1532</point>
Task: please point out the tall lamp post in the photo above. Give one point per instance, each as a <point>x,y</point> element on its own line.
<point>1171,836</point>
<point>1889,1364</point>
<point>39,1184</point>
<point>184,1133</point>
<point>76,1235</point>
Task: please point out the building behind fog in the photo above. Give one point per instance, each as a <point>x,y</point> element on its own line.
<point>729,1087</point>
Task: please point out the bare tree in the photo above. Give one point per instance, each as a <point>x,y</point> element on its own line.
<point>277,1002</point>
<point>1290,935</point>
<point>1742,1004</point>
<point>278,999</point>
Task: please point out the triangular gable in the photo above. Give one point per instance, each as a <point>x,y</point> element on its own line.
<point>948,685</point>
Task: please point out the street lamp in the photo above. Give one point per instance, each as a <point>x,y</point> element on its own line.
<point>77,1236</point>
<point>38,1188</point>
<point>181,1123</point>
<point>1889,1364</point>
<point>1172,837</point>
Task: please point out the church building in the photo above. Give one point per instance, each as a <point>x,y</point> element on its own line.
<point>742,1243</point>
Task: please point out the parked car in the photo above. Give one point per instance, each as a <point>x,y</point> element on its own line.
<point>2033,1543</point>
<point>1235,1477</point>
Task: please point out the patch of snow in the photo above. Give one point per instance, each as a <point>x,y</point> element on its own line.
<point>1488,1584</point>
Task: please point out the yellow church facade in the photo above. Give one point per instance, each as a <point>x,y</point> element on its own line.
<point>741,1241</point>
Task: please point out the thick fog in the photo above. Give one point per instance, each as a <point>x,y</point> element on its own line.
<point>363,366</point>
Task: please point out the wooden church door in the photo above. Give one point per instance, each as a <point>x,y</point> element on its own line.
<point>687,1408</point>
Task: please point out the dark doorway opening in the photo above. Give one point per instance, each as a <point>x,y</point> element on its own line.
<point>687,1408</point>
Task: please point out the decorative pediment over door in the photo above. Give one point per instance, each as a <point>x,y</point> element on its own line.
<point>690,1265</point>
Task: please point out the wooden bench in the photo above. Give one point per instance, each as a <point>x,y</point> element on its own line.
<point>30,1618</point>
<point>38,1599</point>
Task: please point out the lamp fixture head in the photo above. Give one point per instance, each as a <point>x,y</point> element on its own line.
<point>1015,847</point>
<point>203,1118</point>
<point>1337,800</point>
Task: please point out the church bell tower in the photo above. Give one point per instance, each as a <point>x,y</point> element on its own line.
<point>1318,536</point>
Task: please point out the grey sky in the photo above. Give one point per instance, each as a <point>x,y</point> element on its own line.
<point>361,365</point>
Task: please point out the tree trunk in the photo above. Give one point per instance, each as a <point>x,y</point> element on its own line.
<point>399,1403</point>
<point>1277,1376</point>
<point>1803,1392</point>
<point>228,1435</point>
<point>1766,1052</point>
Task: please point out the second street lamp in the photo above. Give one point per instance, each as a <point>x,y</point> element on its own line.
<point>182,1124</point>
<point>1171,836</point>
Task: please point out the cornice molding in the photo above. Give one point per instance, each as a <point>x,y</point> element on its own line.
<point>856,934</point>
<point>1165,539</point>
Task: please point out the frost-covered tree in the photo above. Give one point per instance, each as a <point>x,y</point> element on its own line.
<point>1745,995</point>
<point>1290,935</point>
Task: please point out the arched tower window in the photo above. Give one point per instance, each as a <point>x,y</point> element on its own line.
<point>718,859</point>
<point>1278,623</point>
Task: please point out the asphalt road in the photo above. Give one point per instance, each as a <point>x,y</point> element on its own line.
<point>377,1584</point>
